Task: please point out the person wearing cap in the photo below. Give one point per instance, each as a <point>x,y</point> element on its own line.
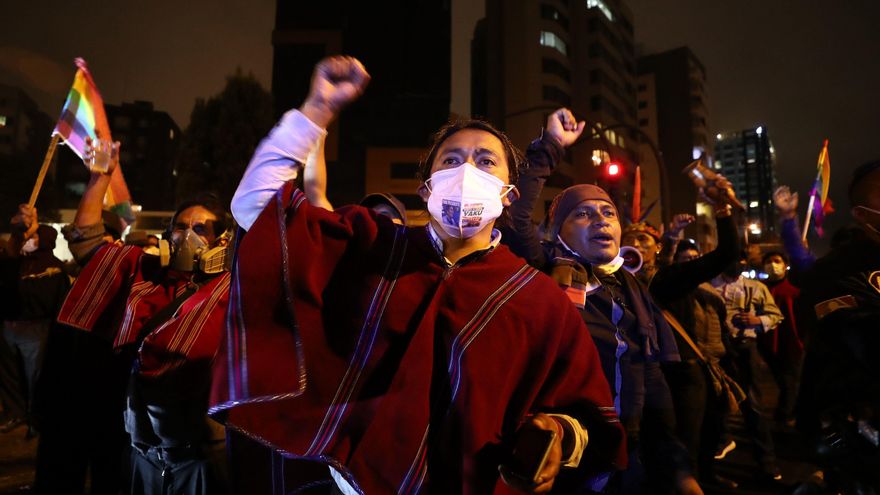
<point>33,285</point>
<point>582,255</point>
<point>386,204</point>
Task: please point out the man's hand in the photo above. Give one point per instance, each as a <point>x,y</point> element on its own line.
<point>564,128</point>
<point>715,193</point>
<point>745,320</point>
<point>786,202</point>
<point>337,81</point>
<point>25,220</point>
<point>92,147</point>
<point>678,224</point>
<point>551,468</point>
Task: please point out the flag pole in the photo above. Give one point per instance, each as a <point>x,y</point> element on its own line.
<point>809,214</point>
<point>42,175</point>
<point>813,192</point>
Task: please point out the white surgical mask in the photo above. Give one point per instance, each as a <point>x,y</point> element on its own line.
<point>465,199</point>
<point>775,270</point>
<point>30,246</point>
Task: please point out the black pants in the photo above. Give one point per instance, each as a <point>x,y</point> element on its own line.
<point>786,371</point>
<point>198,471</point>
<point>79,404</point>
<point>750,374</point>
<point>697,411</point>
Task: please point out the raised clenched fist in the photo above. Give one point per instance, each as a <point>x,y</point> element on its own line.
<point>786,202</point>
<point>564,128</point>
<point>336,82</point>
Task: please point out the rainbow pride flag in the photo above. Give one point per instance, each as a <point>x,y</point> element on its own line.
<point>822,205</point>
<point>83,116</point>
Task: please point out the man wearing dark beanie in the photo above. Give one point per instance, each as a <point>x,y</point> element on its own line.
<point>632,337</point>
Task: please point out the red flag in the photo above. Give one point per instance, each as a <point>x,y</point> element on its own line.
<point>637,196</point>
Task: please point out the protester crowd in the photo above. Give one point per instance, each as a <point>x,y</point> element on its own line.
<point>282,344</point>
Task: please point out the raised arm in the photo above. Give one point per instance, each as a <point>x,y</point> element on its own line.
<point>786,207</point>
<point>674,281</point>
<point>315,177</point>
<point>86,234</point>
<point>671,236</point>
<point>336,82</point>
<point>543,154</point>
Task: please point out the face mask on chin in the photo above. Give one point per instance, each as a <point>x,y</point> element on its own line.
<point>465,199</point>
<point>30,246</point>
<point>867,225</point>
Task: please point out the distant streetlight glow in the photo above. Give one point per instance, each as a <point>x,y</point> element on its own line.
<point>759,130</point>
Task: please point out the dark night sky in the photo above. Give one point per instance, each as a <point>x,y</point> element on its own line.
<point>804,69</point>
<point>167,52</point>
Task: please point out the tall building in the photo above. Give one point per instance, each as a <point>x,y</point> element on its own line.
<point>747,159</point>
<point>149,142</point>
<point>377,143</point>
<point>22,125</point>
<point>673,112</point>
<point>25,134</point>
<point>533,56</point>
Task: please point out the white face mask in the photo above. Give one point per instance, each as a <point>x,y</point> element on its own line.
<point>465,199</point>
<point>30,246</point>
<point>775,270</point>
<point>866,224</point>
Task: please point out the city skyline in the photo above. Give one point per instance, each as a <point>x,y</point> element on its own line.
<point>794,66</point>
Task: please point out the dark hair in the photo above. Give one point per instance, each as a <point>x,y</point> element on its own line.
<point>858,187</point>
<point>685,245</point>
<point>768,254</point>
<point>515,157</point>
<point>210,202</point>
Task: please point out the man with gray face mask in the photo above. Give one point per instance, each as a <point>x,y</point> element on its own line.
<point>154,323</point>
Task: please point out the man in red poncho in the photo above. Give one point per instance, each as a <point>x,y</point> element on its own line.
<point>164,318</point>
<point>405,359</point>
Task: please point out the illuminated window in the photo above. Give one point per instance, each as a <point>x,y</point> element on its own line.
<point>600,157</point>
<point>599,4</point>
<point>550,39</point>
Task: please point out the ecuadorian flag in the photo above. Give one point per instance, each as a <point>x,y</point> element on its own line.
<point>83,116</point>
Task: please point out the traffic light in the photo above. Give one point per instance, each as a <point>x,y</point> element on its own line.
<point>613,170</point>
